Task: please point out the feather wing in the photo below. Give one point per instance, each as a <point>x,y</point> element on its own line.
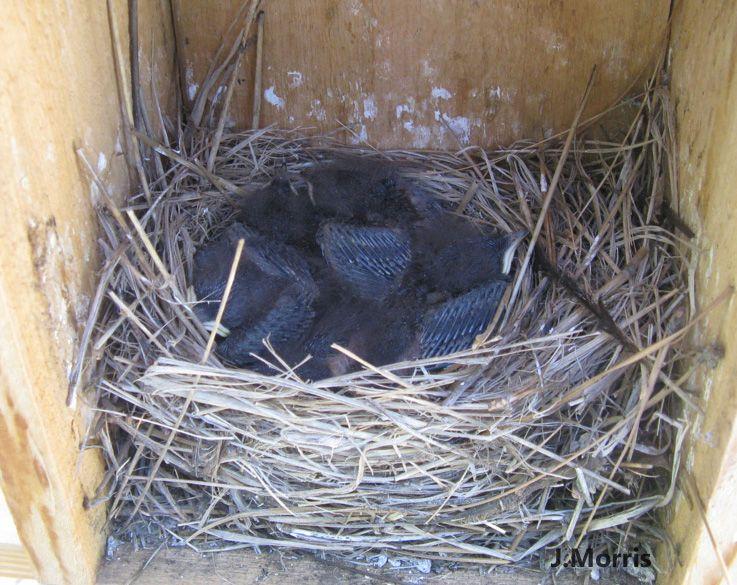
<point>288,320</point>
<point>369,260</point>
<point>453,325</point>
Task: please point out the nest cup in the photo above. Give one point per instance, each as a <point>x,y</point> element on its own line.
<point>553,430</point>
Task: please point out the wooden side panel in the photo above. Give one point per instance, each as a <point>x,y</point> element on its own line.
<point>58,92</point>
<point>705,88</point>
<point>430,73</point>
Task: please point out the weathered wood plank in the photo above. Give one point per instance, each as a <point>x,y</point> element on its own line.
<point>704,71</point>
<point>58,93</point>
<point>274,568</point>
<point>413,73</point>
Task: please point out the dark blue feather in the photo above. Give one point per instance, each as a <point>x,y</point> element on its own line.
<point>370,261</point>
<point>265,269</point>
<point>453,325</point>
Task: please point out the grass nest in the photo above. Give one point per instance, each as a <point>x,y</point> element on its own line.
<point>553,430</point>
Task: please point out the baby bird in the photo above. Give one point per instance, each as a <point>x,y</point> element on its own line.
<point>451,259</point>
<point>386,272</point>
<point>453,325</point>
<point>265,268</point>
<point>377,309</point>
<point>282,213</point>
<point>475,271</point>
<point>349,189</point>
<point>272,291</point>
<point>359,190</point>
<point>379,332</point>
<point>369,261</point>
<point>453,255</point>
<point>286,322</point>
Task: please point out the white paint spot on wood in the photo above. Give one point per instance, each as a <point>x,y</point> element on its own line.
<point>369,108</point>
<point>423,137</point>
<point>101,162</point>
<point>407,108</point>
<point>459,125</point>
<point>295,78</point>
<point>362,134</point>
<point>271,96</point>
<point>427,69</point>
<point>441,93</point>
<point>317,111</point>
<point>192,87</point>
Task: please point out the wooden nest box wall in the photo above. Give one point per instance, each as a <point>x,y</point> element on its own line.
<point>413,74</point>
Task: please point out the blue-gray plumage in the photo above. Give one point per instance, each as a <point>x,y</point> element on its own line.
<point>454,255</point>
<point>348,189</point>
<point>265,268</point>
<point>453,325</point>
<point>286,322</point>
<point>352,252</point>
<point>380,332</point>
<point>370,261</point>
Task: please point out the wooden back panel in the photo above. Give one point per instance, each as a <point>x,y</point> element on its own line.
<point>429,73</point>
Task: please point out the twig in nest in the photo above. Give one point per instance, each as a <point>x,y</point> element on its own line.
<point>190,395</point>
<point>597,309</point>
<point>125,104</point>
<point>553,185</point>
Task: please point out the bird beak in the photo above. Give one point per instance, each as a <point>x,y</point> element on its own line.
<point>222,329</point>
<point>513,240</point>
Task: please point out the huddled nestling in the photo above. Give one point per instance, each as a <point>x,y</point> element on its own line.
<point>351,253</point>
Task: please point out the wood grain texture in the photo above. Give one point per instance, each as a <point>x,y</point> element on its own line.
<point>58,93</point>
<point>704,70</point>
<point>246,566</point>
<point>489,72</point>
<point>430,73</point>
